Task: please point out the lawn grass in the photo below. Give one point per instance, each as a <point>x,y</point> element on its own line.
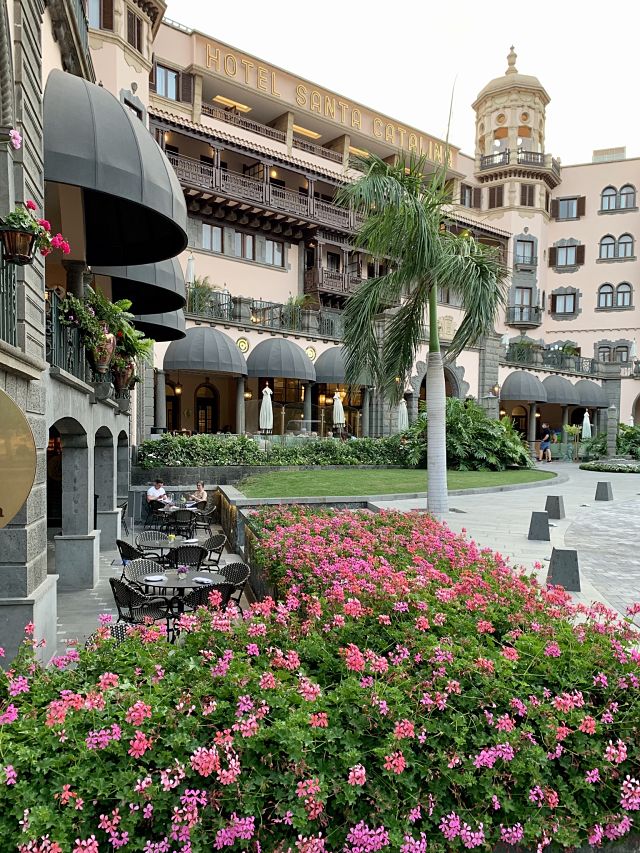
<point>357,481</point>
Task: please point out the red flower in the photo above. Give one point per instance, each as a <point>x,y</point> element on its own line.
<point>30,205</point>
<point>45,224</point>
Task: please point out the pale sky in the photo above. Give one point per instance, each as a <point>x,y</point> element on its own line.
<point>402,58</point>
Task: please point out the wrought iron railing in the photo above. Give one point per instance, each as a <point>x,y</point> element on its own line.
<point>318,278</point>
<point>209,303</point>
<point>530,158</point>
<point>534,356</point>
<point>489,161</point>
<point>527,315</point>
<point>273,315</point>
<point>330,325</point>
<point>8,304</point>
<point>526,260</point>
<point>64,348</point>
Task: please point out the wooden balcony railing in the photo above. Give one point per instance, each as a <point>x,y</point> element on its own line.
<point>318,278</point>
<point>8,304</point>
<point>204,176</point>
<point>318,150</point>
<point>242,121</point>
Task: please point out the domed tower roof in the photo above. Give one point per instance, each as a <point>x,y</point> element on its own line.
<point>511,79</point>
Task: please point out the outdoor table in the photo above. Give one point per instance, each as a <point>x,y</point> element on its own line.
<point>164,544</point>
<point>171,580</point>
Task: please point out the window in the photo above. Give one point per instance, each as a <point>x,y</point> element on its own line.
<point>547,200</point>
<point>524,252</point>
<point>627,197</point>
<point>608,247</point>
<point>333,261</point>
<point>100,14</point>
<point>604,353</point>
<point>94,13</point>
<point>527,195</point>
<point>605,296</point>
<point>623,295</point>
<point>211,237</point>
<point>496,195</point>
<point>274,253</point>
<point>622,354</point>
<point>566,256</point>
<point>608,198</point>
<point>134,30</point>
<point>523,300</point>
<point>443,295</point>
<point>567,208</point>
<point>466,195</point>
<point>167,82</point>
<point>625,246</point>
<point>243,244</point>
<point>563,303</point>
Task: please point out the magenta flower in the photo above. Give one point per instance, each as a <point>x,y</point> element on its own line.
<point>15,138</point>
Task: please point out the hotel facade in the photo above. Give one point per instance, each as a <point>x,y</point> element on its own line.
<point>163,154</point>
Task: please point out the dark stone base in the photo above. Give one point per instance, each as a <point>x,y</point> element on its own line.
<point>604,491</point>
<point>539,527</point>
<point>564,569</point>
<point>555,507</point>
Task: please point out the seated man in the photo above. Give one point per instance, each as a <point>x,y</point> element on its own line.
<point>157,493</point>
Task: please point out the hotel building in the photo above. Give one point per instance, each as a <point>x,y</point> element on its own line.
<point>238,198</point>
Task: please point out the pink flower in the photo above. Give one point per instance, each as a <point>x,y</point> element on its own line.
<point>629,796</point>
<point>588,725</point>
<point>138,713</point>
<point>30,204</point>
<point>552,650</point>
<point>509,653</point>
<point>107,680</point>
<point>404,728</point>
<point>319,720</point>
<point>253,650</point>
<point>15,138</point>
<point>11,777</point>
<point>139,744</point>
<point>357,775</point>
<point>308,690</point>
<point>616,753</point>
<point>44,223</point>
<point>592,776</point>
<point>395,762</point>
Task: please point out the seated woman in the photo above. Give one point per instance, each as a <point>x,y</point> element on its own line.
<point>199,494</point>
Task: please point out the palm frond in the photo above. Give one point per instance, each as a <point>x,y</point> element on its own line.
<point>403,335</point>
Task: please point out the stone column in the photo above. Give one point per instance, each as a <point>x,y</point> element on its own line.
<point>306,411</point>
<point>196,107</point>
<point>240,403</point>
<point>75,277</point>
<point>612,430</point>
<point>160,403</point>
<point>533,408</point>
<point>105,467</point>
<point>77,549</point>
<point>366,393</point>
<point>123,458</point>
<point>490,354</point>
<point>611,385</point>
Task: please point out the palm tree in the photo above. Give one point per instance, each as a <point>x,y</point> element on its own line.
<point>405,223</point>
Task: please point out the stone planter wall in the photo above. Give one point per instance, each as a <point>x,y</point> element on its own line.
<point>224,475</point>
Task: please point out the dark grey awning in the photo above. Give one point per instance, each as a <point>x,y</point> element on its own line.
<point>521,385</point>
<point>592,395</point>
<point>330,367</point>
<point>207,350</point>
<point>281,357</point>
<point>150,287</point>
<point>134,208</point>
<point>170,326</point>
<point>560,390</point>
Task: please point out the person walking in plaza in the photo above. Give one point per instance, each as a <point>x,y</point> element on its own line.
<point>545,444</point>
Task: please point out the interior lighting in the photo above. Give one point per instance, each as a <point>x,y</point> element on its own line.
<point>248,395</point>
<point>229,102</point>
<point>273,173</point>
<point>304,131</point>
<point>178,389</point>
<point>360,152</point>
<point>538,414</point>
<point>503,412</point>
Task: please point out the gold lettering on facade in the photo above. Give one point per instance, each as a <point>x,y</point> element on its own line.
<point>413,142</point>
<point>329,107</point>
<point>437,152</point>
<point>261,81</point>
<point>343,111</point>
<point>247,66</point>
<point>356,119</point>
<point>274,91</point>
<point>301,95</point>
<point>389,134</point>
<point>230,65</point>
<point>213,58</point>
<point>401,133</point>
<point>315,104</point>
<point>377,127</point>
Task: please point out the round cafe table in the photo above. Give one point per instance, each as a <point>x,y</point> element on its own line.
<point>171,580</point>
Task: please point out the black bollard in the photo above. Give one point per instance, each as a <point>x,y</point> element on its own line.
<point>555,506</point>
<point>564,570</point>
<point>604,491</point>
<point>539,527</point>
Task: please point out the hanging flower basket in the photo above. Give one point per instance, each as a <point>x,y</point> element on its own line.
<point>123,377</point>
<point>18,245</point>
<point>100,355</point>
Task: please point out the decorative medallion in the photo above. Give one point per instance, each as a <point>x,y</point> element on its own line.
<point>524,117</point>
<point>17,459</point>
<point>310,351</point>
<point>243,345</point>
<point>501,119</point>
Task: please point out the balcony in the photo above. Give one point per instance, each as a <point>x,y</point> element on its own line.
<point>523,158</point>
<point>330,281</point>
<point>525,262</point>
<point>538,357</point>
<point>64,348</point>
<point>244,122</point>
<point>233,185</point>
<point>208,303</point>
<point>71,31</point>
<point>8,304</point>
<point>524,316</point>
<point>318,150</point>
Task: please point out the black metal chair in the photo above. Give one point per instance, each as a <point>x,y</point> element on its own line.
<point>199,597</point>
<point>204,520</point>
<point>215,548</point>
<point>154,519</point>
<point>200,506</point>
<point>237,574</point>
<point>151,536</point>
<point>128,552</point>
<point>136,570</point>
<point>118,635</point>
<point>187,555</point>
<point>182,522</point>
<point>136,608</point>
<point>123,516</point>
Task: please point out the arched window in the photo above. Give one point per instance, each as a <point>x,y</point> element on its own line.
<point>206,409</point>
<point>627,197</point>
<point>608,198</point>
<point>605,296</point>
<point>622,354</point>
<point>625,246</point>
<point>604,353</point>
<point>608,247</point>
<point>623,295</point>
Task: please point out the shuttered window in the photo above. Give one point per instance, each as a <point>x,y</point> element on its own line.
<point>496,196</point>
<point>568,208</point>
<point>107,15</point>
<point>527,195</point>
<point>566,256</point>
<point>134,30</point>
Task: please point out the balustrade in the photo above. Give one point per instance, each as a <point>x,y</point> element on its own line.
<point>8,303</point>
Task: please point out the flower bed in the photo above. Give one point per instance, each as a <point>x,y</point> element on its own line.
<point>409,693</point>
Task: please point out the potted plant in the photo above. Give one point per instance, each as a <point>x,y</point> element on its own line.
<point>123,372</point>
<point>22,233</point>
<point>98,341</point>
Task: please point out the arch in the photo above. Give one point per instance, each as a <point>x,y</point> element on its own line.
<point>609,198</point>
<point>123,438</point>
<point>635,411</point>
<point>623,295</point>
<point>122,463</point>
<point>627,197</point>
<point>605,296</point>
<point>206,407</point>
<point>625,246</point>
<point>68,426</point>
<point>104,435</point>
<point>607,247</point>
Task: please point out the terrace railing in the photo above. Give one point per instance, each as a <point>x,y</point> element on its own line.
<point>8,304</point>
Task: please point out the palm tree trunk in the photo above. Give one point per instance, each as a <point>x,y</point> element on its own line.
<point>437,495</point>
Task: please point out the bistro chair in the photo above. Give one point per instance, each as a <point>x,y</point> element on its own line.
<point>199,597</point>
<point>123,516</point>
<point>204,520</point>
<point>187,555</point>
<point>215,547</point>
<point>199,506</point>
<point>236,574</point>
<point>182,522</point>
<point>136,570</point>
<point>154,518</point>
<point>151,536</point>
<point>118,634</point>
<point>128,552</point>
<point>136,608</point>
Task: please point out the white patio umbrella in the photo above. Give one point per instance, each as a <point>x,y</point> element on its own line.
<point>190,275</point>
<point>403,416</point>
<point>586,426</point>
<point>338,410</point>
<point>266,411</point>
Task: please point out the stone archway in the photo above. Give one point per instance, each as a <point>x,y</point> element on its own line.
<point>105,488</point>
<point>454,383</point>
<point>635,411</point>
